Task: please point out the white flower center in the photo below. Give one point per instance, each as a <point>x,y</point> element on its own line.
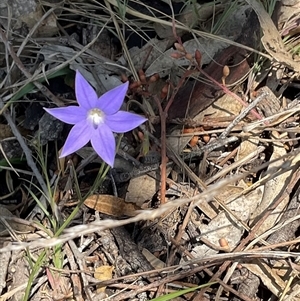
<point>96,117</point>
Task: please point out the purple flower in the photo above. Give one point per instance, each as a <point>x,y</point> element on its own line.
<point>95,119</point>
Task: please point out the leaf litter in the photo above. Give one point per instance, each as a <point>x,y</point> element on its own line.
<point>205,192</point>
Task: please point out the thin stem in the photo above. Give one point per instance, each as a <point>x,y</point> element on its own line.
<point>163,121</point>
<point>227,91</point>
<point>163,171</point>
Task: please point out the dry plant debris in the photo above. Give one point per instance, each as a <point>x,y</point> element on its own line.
<point>202,201</point>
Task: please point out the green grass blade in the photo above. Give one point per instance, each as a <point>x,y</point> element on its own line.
<point>30,86</point>
<point>181,292</point>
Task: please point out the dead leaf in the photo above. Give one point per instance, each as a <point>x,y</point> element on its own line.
<point>225,106</point>
<point>275,184</point>
<point>5,131</point>
<point>272,190</point>
<point>111,205</point>
<point>141,189</point>
<point>273,282</point>
<point>176,141</point>
<point>247,147</point>
<point>154,261</point>
<point>103,273</point>
<point>288,19</point>
<point>271,39</point>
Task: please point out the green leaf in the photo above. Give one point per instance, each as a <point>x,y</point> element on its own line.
<point>30,86</point>
<point>181,292</point>
<point>13,161</point>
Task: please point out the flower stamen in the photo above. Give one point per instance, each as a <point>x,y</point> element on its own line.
<point>96,117</point>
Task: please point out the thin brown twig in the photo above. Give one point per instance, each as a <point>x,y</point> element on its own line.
<point>163,119</point>
<point>163,166</point>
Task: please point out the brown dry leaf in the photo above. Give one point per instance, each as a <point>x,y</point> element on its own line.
<point>271,39</point>
<point>176,141</point>
<point>288,19</point>
<point>224,107</point>
<point>5,131</point>
<point>111,205</point>
<point>154,261</point>
<point>269,278</point>
<point>103,273</point>
<point>272,190</point>
<point>281,268</point>
<point>247,147</point>
<point>141,189</point>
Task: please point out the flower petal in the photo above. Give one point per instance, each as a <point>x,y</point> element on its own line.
<point>78,137</point>
<point>104,143</point>
<point>122,121</point>
<point>85,94</point>
<point>70,115</point>
<point>111,101</point>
